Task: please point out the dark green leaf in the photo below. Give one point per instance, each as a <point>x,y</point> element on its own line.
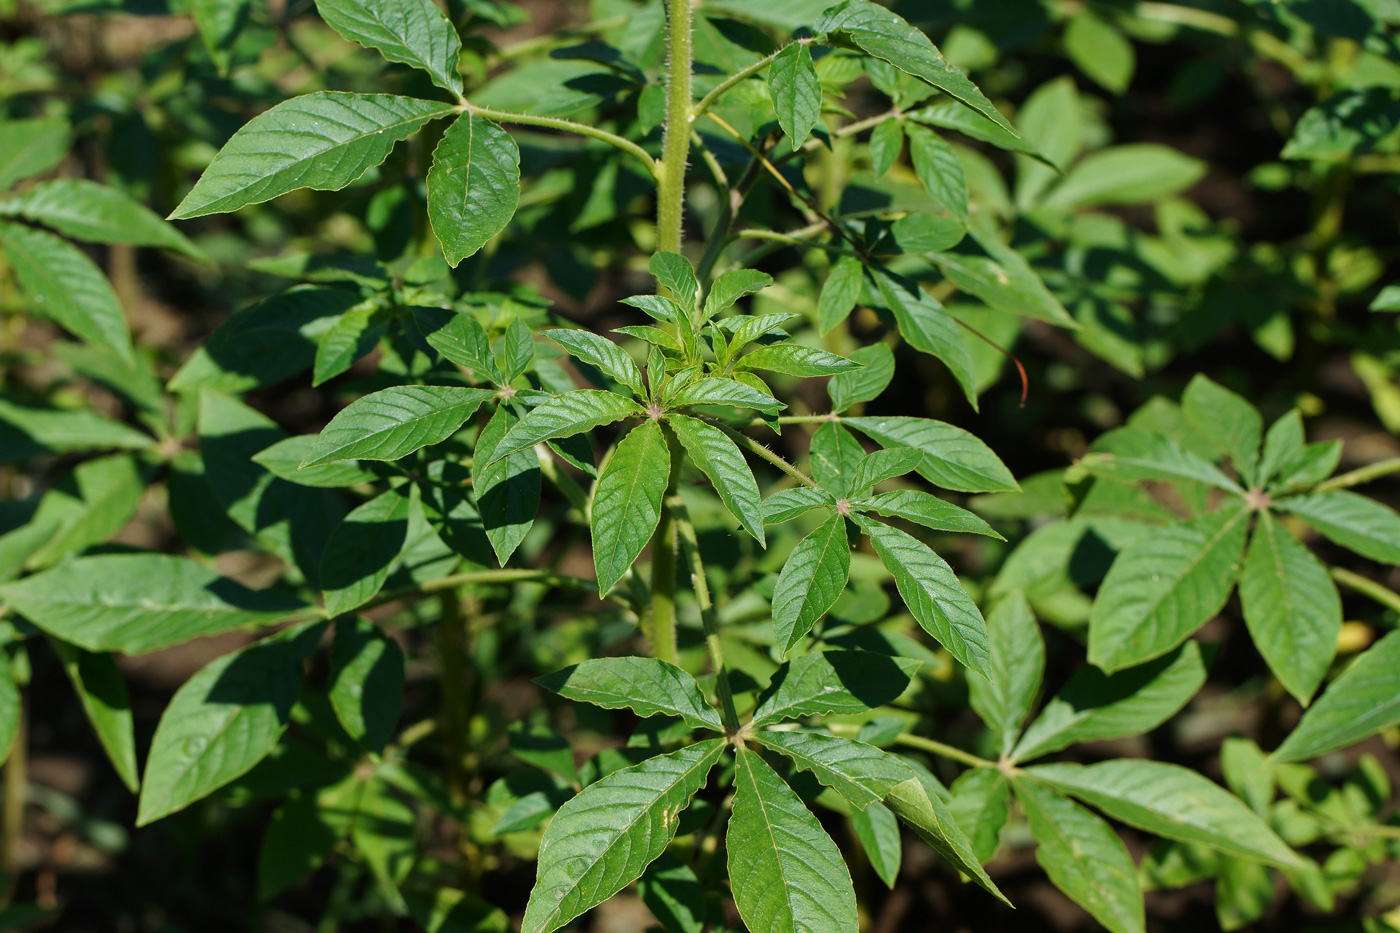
<point>866,383</point>
<point>914,505</point>
<point>811,580</point>
<point>953,458</point>
<point>284,458</point>
<point>793,359</point>
<point>881,465</point>
<point>675,274</point>
<point>839,293</point>
<point>939,170</point>
<point>415,33</point>
<point>348,340</point>
<point>930,818</point>
<point>877,830</point>
<point>787,504</point>
<point>733,285</point>
<point>627,501</point>
<point>367,680</point>
<point>724,392</point>
<point>646,686</point>
<point>602,353</point>
<point>720,459</point>
<point>796,92</point>
<point>1017,668</point>
<point>473,186</point>
<point>507,490</point>
<point>102,691</point>
<point>1353,521</point>
<point>927,326</point>
<point>845,682</point>
<point>564,416</point>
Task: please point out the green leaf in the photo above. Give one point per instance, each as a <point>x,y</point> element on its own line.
<point>939,170</point>
<point>924,508</point>
<point>733,285</point>
<point>796,92</point>
<point>1003,280</point>
<point>393,423</point>
<point>673,894</point>
<point>27,431</point>
<point>646,686</point>
<point>1291,608</point>
<point>564,416</point>
<point>10,708</point>
<point>1051,118</point>
<point>1353,521</point>
<point>930,818</point>
<point>135,603</point>
<point>349,339</point>
<point>1244,889</point>
<point>981,806</point>
<point>862,774</point>
<point>1170,801</point>
<point>627,501</point>
<point>1100,51</point>
<point>223,721</point>
<point>720,459</point>
<point>877,31</point>
<point>881,465</point>
<point>1141,173</point>
<point>841,290</point>
<point>787,504</point>
<point>31,147</point>
<point>675,274</point>
<point>1083,857</point>
<point>66,287</point>
<point>460,338</point>
<point>953,458</point>
<point>414,33</point>
<point>844,682</point>
<point>1164,586</point>
<point>601,840</point>
<point>933,594</point>
<point>926,325</point>
<point>323,140</point>
<point>1284,441</point>
<point>723,392</point>
<point>516,350</point>
<point>219,25</point>
<point>835,453</point>
<point>1093,705</point>
<point>1351,121</point>
<point>267,343</point>
<point>88,211</point>
<point>284,458</point>
<point>951,116</point>
<point>367,679</point>
<point>447,910</point>
<point>89,506</point>
<point>1364,700</point>
<point>786,873</point>
<point>102,691</point>
<point>877,830</point>
<point>356,561</point>
<point>866,383</point>
<point>1226,422</point>
<point>301,833</point>
<point>794,359</point>
<point>603,353</point>
<point>507,490</point>
<point>473,186</point>
<point>1017,662</point>
<point>1132,454</point>
<point>812,579</point>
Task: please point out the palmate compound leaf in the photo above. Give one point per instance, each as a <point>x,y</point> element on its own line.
<point>930,818</point>
<point>223,721</point>
<point>1363,700</point>
<point>862,774</point>
<point>888,37</point>
<point>393,423</point>
<point>473,186</point>
<point>811,581</point>
<point>601,840</point>
<point>720,459</point>
<point>1170,801</point>
<point>786,873</point>
<point>627,501</point>
<point>647,686</point>
<point>1165,586</point>
<point>842,682</point>
<point>66,287</point>
<point>323,140</point>
<point>1083,857</point>
<point>413,32</point>
<point>134,603</point>
<point>564,416</point>
<point>1291,607</point>
<point>796,91</point>
<point>933,594</point>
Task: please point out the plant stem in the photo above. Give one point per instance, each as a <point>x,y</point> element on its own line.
<point>568,126</point>
<point>661,617</point>
<point>737,77</point>
<point>456,694</point>
<point>923,744</point>
<point>1367,587</point>
<point>675,142</point>
<point>12,810</point>
<point>1361,475</point>
<point>691,546</point>
<point>547,577</point>
<point>754,446</point>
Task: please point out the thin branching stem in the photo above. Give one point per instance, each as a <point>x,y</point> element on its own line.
<point>1365,474</point>
<point>691,546</point>
<point>568,126</point>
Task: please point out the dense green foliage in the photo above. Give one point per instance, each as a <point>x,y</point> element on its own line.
<point>597,490</point>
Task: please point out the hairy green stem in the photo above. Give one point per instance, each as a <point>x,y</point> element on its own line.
<point>661,616</point>
<point>1367,587</point>
<point>568,126</point>
<point>739,76</point>
<point>748,443</point>
<point>1365,474</point>
<point>675,141</point>
<point>923,744</point>
<point>691,545</point>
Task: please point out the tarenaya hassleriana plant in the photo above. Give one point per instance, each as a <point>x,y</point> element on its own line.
<point>447,463</point>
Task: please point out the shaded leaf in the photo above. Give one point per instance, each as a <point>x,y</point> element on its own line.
<point>647,686</point>
<point>627,501</point>
<point>811,580</point>
<point>844,682</point>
